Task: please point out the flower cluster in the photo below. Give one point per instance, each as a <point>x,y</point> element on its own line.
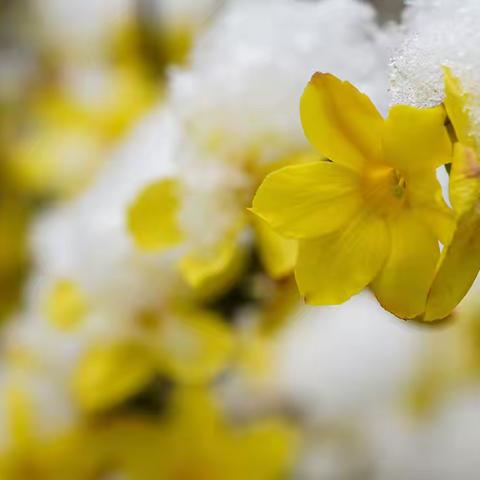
<point>204,255</point>
<point>374,214</point>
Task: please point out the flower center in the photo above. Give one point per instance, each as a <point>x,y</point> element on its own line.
<point>384,189</point>
<point>399,185</point>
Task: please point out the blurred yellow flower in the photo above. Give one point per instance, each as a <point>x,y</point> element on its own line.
<point>191,440</point>
<point>263,450</point>
<point>28,451</point>
<point>212,270</point>
<point>108,374</point>
<point>55,159</point>
<point>153,223</point>
<point>374,214</point>
<point>78,453</point>
<point>187,345</point>
<point>66,305</point>
<point>65,134</point>
<point>192,345</point>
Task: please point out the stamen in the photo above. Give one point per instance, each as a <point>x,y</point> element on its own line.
<point>399,188</point>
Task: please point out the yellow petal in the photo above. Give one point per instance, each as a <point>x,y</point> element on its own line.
<point>440,221</point>
<point>455,101</point>
<point>340,122</point>
<point>309,200</point>
<point>211,271</point>
<point>464,185</point>
<point>334,267</point>
<point>277,254</point>
<point>197,346</point>
<point>403,283</point>
<point>416,138</point>
<point>458,269</point>
<point>425,196</point>
<point>66,305</point>
<point>152,217</point>
<point>460,261</point>
<point>109,374</point>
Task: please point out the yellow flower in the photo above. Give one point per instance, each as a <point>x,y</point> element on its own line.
<point>373,215</point>
<point>460,261</point>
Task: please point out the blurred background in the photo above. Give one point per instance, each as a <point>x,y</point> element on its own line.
<point>148,328</point>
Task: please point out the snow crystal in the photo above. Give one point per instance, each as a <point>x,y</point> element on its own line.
<point>438,33</point>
